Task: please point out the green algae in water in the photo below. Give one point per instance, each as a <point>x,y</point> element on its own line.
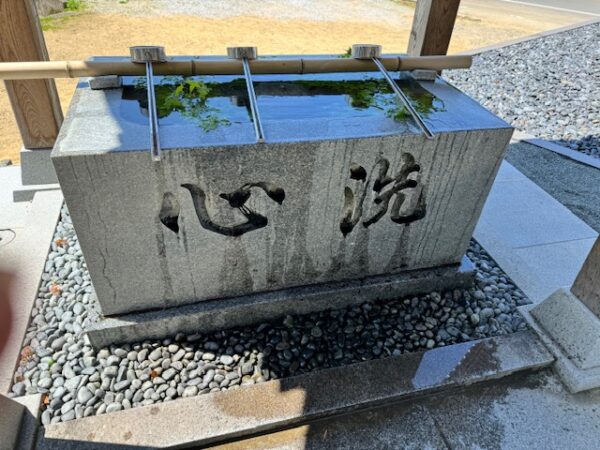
<point>376,93</point>
<point>189,97</point>
<point>213,104</point>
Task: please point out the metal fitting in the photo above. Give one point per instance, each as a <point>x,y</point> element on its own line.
<point>366,51</point>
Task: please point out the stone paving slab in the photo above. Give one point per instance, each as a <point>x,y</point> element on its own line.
<point>12,215</point>
<point>569,256</point>
<point>271,406</point>
<point>536,240</point>
<point>523,214</point>
<point>405,426</point>
<point>533,412</point>
<point>525,411</point>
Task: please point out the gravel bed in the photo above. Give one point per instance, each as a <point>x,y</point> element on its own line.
<point>56,359</point>
<point>548,87</point>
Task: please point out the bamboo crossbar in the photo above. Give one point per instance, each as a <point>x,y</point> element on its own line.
<point>77,69</point>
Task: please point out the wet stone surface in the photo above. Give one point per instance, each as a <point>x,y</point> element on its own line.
<point>80,382</point>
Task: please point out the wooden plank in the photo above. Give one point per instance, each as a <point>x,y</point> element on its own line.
<point>432,27</point>
<point>35,103</point>
<point>587,283</point>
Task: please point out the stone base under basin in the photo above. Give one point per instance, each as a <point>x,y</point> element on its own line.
<point>207,316</point>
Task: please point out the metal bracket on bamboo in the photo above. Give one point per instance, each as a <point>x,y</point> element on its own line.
<point>148,55</point>
<point>245,54</point>
<point>373,52</point>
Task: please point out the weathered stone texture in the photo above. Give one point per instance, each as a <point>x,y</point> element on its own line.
<point>218,220</point>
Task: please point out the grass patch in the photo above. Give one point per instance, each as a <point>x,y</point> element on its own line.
<point>74,5</point>
<point>53,22</point>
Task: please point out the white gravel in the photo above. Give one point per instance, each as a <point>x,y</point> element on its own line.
<point>548,87</point>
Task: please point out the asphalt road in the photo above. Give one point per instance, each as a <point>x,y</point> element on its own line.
<point>588,7</point>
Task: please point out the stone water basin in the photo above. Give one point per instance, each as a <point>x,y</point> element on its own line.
<point>344,188</point>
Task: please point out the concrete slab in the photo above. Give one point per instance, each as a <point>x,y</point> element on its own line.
<point>537,241</point>
<point>507,172</point>
<point>570,256</point>
<point>538,227</point>
<point>522,214</point>
<point>11,215</point>
<point>204,317</point>
<point>271,406</point>
<point>25,257</point>
<point>523,411</point>
<point>532,412</point>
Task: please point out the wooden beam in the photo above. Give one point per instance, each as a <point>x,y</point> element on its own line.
<point>35,103</point>
<point>587,284</point>
<point>432,27</point>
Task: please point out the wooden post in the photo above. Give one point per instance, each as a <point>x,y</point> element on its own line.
<point>587,284</point>
<point>35,103</point>
<point>432,27</point>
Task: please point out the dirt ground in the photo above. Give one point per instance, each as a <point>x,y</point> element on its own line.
<point>98,32</point>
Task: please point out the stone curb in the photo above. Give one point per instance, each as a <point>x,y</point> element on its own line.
<point>30,424</point>
<point>28,192</point>
<point>565,151</point>
<point>530,37</point>
<point>275,405</point>
<point>519,136</point>
<point>19,424</point>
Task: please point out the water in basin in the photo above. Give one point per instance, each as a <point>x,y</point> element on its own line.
<point>213,103</point>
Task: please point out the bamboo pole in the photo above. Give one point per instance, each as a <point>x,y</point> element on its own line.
<point>77,69</point>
